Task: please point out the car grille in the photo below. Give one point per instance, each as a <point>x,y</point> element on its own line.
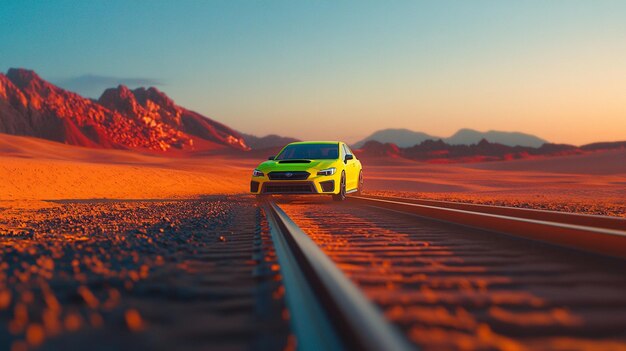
<point>295,175</point>
<point>269,188</point>
<point>254,186</point>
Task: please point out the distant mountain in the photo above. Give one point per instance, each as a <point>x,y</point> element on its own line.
<point>438,151</point>
<point>611,145</point>
<point>470,136</point>
<point>267,142</point>
<point>139,119</point>
<point>400,137</point>
<point>374,148</point>
<point>408,138</point>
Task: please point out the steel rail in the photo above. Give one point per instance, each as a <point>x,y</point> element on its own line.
<point>327,310</point>
<point>544,215</point>
<point>598,240</point>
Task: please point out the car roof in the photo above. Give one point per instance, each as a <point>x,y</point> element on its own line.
<point>314,142</point>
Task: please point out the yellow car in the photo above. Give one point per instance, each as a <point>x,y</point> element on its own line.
<point>311,167</point>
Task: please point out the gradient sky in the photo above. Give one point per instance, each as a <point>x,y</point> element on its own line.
<point>333,69</point>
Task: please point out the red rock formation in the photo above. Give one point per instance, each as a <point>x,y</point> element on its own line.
<point>156,110</point>
<point>139,119</point>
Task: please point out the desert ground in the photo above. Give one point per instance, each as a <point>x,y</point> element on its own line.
<point>594,183</point>
<point>134,250</point>
<point>33,170</point>
<point>157,275</point>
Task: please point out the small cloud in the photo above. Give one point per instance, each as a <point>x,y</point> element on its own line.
<point>91,85</point>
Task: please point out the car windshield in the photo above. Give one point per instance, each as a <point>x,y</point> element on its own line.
<point>309,152</point>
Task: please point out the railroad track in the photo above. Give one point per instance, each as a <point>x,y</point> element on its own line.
<point>603,235</point>
<point>328,311</point>
<point>376,273</point>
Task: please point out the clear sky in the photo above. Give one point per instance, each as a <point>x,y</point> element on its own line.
<point>333,69</point>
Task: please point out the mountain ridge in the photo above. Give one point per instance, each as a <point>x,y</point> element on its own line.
<point>269,141</point>
<point>140,119</point>
<point>438,151</point>
<point>464,136</point>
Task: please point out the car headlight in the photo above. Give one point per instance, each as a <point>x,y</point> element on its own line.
<point>257,173</point>
<point>327,172</point>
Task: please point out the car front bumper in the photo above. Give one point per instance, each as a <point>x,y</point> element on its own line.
<point>313,185</point>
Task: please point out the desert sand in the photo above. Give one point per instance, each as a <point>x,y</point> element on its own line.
<point>594,183</point>
<point>35,169</point>
<point>32,169</point>
<point>125,266</point>
<point>145,275</point>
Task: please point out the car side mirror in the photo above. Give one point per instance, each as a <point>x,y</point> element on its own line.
<point>348,157</point>
<point>271,158</point>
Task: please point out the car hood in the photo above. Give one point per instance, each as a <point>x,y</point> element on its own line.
<point>269,166</point>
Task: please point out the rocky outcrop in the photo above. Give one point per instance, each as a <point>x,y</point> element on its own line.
<point>122,118</point>
<point>155,109</point>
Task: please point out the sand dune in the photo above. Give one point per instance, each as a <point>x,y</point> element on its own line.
<point>602,170</point>
<point>34,169</point>
<point>594,183</point>
<point>606,162</point>
<point>438,178</point>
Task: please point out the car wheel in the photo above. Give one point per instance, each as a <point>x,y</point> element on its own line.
<point>342,189</point>
<point>359,189</point>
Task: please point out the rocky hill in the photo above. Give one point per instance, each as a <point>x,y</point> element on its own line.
<point>142,119</point>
